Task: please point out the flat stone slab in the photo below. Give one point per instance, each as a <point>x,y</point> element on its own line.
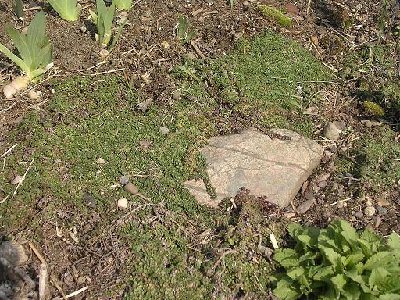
<point>273,165</point>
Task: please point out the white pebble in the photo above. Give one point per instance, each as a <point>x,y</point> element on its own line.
<point>123,203</point>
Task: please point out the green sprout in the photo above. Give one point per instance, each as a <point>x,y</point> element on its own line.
<point>69,10</point>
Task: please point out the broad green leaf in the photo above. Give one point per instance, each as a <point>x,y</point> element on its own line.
<point>296,273</point>
<point>69,10</point>
<point>348,232</point>
<point>323,273</point>
<point>339,281</point>
<point>352,291</point>
<point>36,35</point>
<point>379,259</point>
<point>394,241</point>
<point>294,229</point>
<point>286,257</point>
<point>371,241</point>
<point>389,297</point>
<point>377,276</point>
<point>353,259</point>
<point>333,257</point>
<point>285,290</point>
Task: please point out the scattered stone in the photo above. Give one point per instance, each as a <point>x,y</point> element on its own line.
<point>145,145</point>
<point>292,9</point>
<point>104,53</point>
<point>144,105</point>
<point>369,211</point>
<point>290,215</point>
<point>89,200</point>
<point>123,180</point>
<point>368,201</point>
<point>131,188</point>
<point>13,252</point>
<point>359,214</point>
<point>17,180</point>
<point>369,123</point>
<point>383,202</point>
<point>101,161</point>
<point>332,130</point>
<point>176,95</point>
<point>164,130</point>
<point>34,94</point>
<point>165,44</point>
<point>123,203</point>
<point>381,210</point>
<point>274,167</point>
<point>83,29</point>
<point>305,206</point>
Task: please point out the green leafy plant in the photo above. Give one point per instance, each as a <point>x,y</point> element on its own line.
<point>123,4</point>
<point>69,10</point>
<point>183,33</point>
<point>34,48</point>
<point>104,23</point>
<point>339,263</point>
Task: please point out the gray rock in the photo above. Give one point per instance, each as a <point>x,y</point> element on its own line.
<point>13,252</point>
<point>332,130</point>
<point>274,167</point>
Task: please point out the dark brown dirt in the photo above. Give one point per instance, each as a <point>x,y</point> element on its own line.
<point>322,28</point>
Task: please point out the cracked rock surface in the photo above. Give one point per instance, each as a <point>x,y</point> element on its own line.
<point>273,165</point>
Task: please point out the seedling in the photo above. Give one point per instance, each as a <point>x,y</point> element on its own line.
<point>19,9</point>
<point>104,23</point>
<point>69,10</point>
<point>123,4</point>
<point>35,53</point>
<point>183,33</point>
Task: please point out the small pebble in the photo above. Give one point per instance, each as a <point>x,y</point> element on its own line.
<point>16,180</point>
<point>358,215</point>
<point>83,29</point>
<point>369,211</point>
<point>89,200</point>
<point>176,95</point>
<point>164,130</point>
<point>101,161</point>
<point>332,131</point>
<point>382,202</point>
<point>131,188</point>
<point>34,94</point>
<point>305,206</point>
<point>381,210</point>
<point>123,180</point>
<point>123,203</point>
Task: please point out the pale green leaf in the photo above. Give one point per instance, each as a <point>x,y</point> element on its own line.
<point>285,290</point>
<point>394,241</point>
<point>123,4</point>
<point>69,10</point>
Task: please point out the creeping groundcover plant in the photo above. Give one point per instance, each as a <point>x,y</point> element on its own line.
<point>339,263</point>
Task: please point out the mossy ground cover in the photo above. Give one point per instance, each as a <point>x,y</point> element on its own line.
<point>178,248</point>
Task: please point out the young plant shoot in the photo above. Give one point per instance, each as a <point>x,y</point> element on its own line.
<point>69,10</point>
<point>123,4</point>
<point>34,53</point>
<point>104,23</point>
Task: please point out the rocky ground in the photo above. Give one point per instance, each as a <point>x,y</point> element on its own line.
<point>172,99</point>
